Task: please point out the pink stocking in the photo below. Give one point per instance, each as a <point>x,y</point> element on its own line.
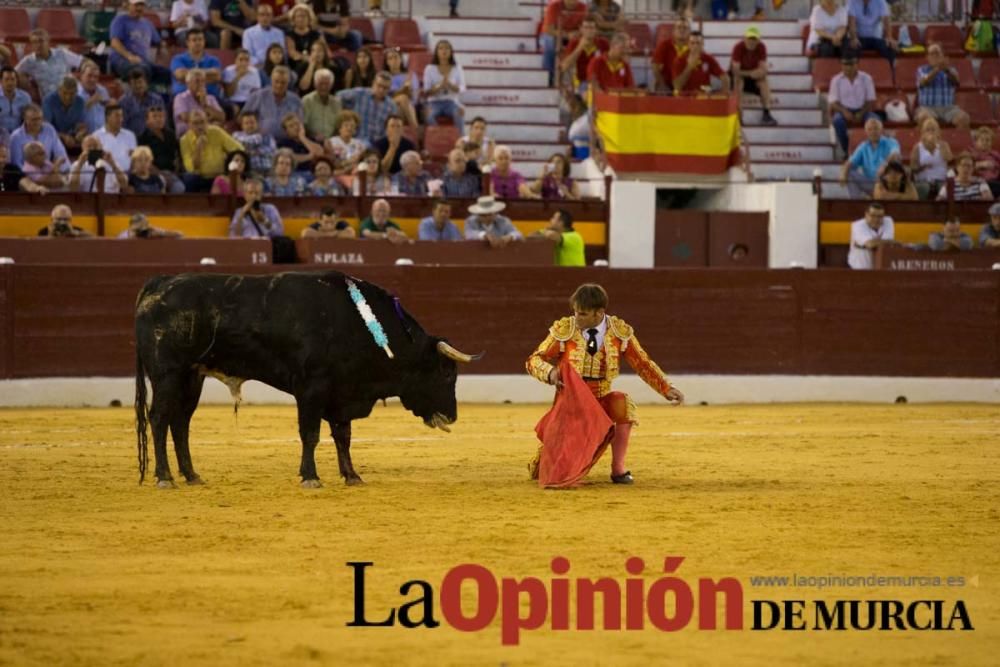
<point>619,445</point>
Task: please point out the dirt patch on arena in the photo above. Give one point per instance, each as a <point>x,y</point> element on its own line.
<point>250,569</point>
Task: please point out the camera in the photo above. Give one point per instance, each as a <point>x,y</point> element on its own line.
<point>142,233</point>
<point>256,205</point>
<point>61,228</point>
<point>93,155</point>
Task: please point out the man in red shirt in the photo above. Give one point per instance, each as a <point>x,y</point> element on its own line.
<point>580,52</point>
<point>693,71</point>
<point>561,17</point>
<point>667,51</point>
<point>610,71</point>
<point>749,68</point>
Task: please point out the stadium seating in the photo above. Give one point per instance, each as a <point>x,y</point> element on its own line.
<point>989,74</point>
<point>96,26</point>
<point>417,61</point>
<point>978,105</point>
<point>439,140</point>
<point>402,33</point>
<point>642,40</point>
<point>948,36</point>
<point>226,56</point>
<point>60,25</point>
<point>912,31</point>
<point>14,24</point>
<point>365,27</point>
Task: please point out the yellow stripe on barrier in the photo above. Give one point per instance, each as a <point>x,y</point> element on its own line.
<point>28,225</point>
<point>839,232</point>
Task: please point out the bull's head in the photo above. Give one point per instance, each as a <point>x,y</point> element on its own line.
<point>431,393</point>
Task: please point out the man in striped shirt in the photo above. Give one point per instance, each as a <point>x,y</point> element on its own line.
<point>936,85</point>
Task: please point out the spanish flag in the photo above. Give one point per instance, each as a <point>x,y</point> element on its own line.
<point>691,135</point>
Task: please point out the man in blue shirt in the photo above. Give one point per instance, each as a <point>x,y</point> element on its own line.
<point>133,37</point>
<point>868,27</point>
<point>12,99</point>
<point>863,168</point>
<point>936,85</point>
<point>196,58</point>
<point>139,100</point>
<point>438,226</point>
<point>257,39</point>
<point>66,112</point>
<point>35,129</point>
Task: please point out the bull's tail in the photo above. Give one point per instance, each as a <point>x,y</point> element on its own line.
<point>141,416</point>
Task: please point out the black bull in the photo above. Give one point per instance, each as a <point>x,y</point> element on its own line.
<point>298,332</point>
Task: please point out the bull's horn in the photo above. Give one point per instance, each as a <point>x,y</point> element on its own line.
<point>450,352</point>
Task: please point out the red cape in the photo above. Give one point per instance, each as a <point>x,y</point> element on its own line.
<point>574,433</point>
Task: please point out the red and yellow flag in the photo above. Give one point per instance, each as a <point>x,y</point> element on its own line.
<point>692,135</point>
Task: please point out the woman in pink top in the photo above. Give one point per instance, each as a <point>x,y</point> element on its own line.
<point>505,182</point>
<point>236,163</point>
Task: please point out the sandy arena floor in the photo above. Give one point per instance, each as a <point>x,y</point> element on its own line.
<point>250,569</point>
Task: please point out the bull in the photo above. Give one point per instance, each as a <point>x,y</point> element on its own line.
<point>302,333</point>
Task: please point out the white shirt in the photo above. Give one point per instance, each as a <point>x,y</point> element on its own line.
<point>820,20</point>
<point>248,84</point>
<point>120,146</point>
<point>860,257</point>
<point>257,40</point>
<point>196,8</point>
<point>602,329</point>
<point>432,77</point>
<point>88,172</point>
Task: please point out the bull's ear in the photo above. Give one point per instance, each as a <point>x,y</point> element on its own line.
<point>446,350</point>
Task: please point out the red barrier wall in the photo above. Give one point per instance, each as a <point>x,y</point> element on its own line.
<point>77,320</point>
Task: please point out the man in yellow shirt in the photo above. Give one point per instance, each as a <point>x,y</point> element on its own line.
<point>569,243</point>
<point>203,150</point>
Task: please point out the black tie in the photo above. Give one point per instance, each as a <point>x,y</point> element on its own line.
<point>591,342</point>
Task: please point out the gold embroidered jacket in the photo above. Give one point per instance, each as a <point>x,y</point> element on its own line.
<point>565,340</point>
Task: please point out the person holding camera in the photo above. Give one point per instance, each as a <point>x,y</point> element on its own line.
<point>255,219</point>
<point>94,159</point>
<point>139,228</point>
<point>62,225</point>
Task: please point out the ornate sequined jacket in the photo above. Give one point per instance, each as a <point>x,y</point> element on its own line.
<point>566,340</point>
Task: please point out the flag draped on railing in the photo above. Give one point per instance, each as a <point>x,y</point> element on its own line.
<point>693,135</point>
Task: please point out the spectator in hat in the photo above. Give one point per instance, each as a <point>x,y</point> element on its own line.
<point>989,235</point>
<point>485,223</point>
<point>139,228</point>
<point>950,238</point>
<point>749,69</point>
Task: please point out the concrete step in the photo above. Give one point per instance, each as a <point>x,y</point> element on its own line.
<point>525,133</point>
<point>778,64</point>
<point>788,135</point>
<point>781,171</point>
<point>528,152</point>
<point>786,100</point>
<point>791,153</point>
<point>834,190</point>
<point>482,24</point>
<point>775,47</point>
<point>735,29</point>
<point>505,78</point>
<point>499,59</point>
<point>438,9</point>
<point>797,82</point>
<point>492,41</point>
<point>785,116</point>
<point>496,113</point>
<point>491,94</point>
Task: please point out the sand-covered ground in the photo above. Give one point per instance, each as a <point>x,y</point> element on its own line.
<point>250,568</point>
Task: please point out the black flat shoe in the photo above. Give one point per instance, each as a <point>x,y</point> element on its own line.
<point>624,478</point>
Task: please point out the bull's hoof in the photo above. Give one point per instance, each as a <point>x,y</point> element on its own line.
<point>354,480</point>
<point>312,484</point>
<point>165,484</point>
<point>196,481</point>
